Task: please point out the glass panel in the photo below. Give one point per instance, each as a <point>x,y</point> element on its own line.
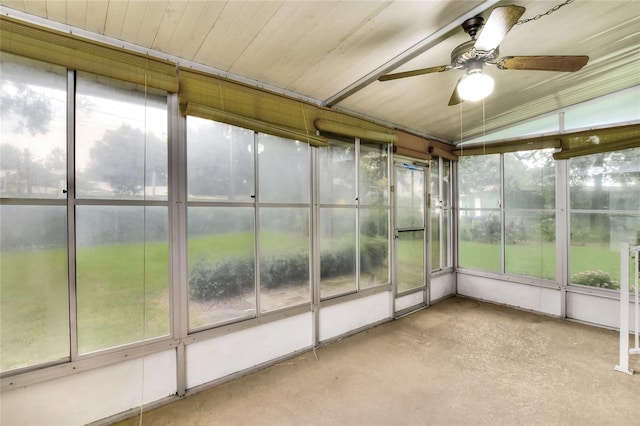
<point>538,126</point>
<point>595,247</point>
<point>284,170</point>
<point>121,141</point>
<point>530,244</point>
<point>220,161</point>
<point>374,180</point>
<point>480,240</point>
<point>479,177</point>
<point>34,296</point>
<point>33,134</point>
<point>444,240</point>
<point>221,264</point>
<point>374,247</point>
<point>410,197</point>
<point>608,181</point>
<point>337,174</point>
<point>337,251</point>
<point>410,260</point>
<point>529,179</point>
<point>606,110</point>
<point>434,184</point>
<point>435,239</point>
<point>284,257</point>
<point>122,263</point>
<point>446,183</point>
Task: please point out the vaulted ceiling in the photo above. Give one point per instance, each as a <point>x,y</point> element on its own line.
<point>332,52</point>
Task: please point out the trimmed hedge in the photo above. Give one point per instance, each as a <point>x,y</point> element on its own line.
<point>230,277</point>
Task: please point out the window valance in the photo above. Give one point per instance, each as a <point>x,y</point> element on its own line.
<point>80,54</point>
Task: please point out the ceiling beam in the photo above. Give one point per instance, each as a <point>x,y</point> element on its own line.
<point>404,57</point>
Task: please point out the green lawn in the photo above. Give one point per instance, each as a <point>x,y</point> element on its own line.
<point>539,260</point>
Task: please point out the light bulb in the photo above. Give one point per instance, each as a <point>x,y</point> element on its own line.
<point>475,86</point>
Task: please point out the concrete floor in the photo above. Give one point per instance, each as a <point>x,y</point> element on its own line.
<point>460,362</point>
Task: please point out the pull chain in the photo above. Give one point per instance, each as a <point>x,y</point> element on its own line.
<point>548,12</point>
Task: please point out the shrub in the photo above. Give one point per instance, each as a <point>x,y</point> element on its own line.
<point>373,252</point>
<point>230,277</point>
<point>225,278</point>
<point>597,278</point>
<point>283,270</point>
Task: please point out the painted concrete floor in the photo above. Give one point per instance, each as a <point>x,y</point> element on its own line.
<point>460,362</point>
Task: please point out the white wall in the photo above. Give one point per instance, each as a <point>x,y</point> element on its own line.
<point>442,286</point>
<point>339,319</point>
<point>92,395</point>
<point>409,301</point>
<point>534,298</point>
<point>221,356</point>
<point>597,310</point>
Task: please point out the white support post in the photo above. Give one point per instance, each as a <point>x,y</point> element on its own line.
<point>636,329</point>
<point>623,363</point>
<point>625,252</point>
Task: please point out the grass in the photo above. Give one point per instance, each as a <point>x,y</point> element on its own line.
<point>539,260</point>
<point>120,286</point>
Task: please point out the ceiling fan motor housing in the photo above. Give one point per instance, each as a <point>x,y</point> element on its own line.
<point>466,52</point>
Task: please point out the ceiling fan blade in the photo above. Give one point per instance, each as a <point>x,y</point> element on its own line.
<point>421,71</point>
<point>500,22</point>
<point>455,99</point>
<point>543,63</point>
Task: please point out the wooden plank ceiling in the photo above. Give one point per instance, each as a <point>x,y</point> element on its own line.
<point>332,51</point>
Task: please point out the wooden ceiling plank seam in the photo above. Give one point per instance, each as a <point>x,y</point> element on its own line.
<point>184,36</point>
<point>150,24</point>
<point>36,7</point>
<point>213,43</point>
<point>251,22</point>
<point>333,24</point>
<point>134,19</point>
<point>282,65</point>
<point>203,27</point>
<point>259,21</point>
<point>77,13</point>
<point>116,11</point>
<point>166,30</point>
<point>96,16</point>
<point>57,11</point>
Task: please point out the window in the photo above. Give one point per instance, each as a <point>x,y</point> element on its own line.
<point>604,194</point>
<point>529,214</point>
<point>34,295</point>
<point>283,210</point>
<point>440,213</point>
<point>517,236</point>
<point>373,201</point>
<point>248,211</point>
<point>122,238</point>
<point>221,222</point>
<point>480,229</point>
<point>337,229</point>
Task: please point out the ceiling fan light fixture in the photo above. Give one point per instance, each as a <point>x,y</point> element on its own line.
<point>475,85</point>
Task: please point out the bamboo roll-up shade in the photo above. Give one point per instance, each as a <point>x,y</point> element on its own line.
<point>411,153</point>
<point>264,106</point>
<point>407,141</point>
<point>355,131</point>
<point>244,101</point>
<point>597,141</point>
<point>252,124</point>
<point>80,54</point>
<point>633,142</point>
<point>512,146</point>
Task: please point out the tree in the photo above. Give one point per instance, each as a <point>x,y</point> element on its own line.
<point>33,109</point>
<point>121,157</point>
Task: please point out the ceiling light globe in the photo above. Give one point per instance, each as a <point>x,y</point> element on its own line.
<point>475,86</point>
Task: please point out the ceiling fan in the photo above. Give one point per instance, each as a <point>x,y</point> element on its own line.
<point>472,55</point>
